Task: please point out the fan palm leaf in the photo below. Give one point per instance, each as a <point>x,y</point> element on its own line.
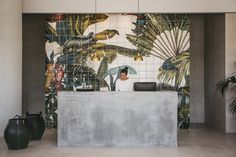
<point>165,37</point>
<point>223,86</point>
<point>232,106</point>
<point>180,65</point>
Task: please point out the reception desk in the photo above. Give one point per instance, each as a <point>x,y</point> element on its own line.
<point>135,119</point>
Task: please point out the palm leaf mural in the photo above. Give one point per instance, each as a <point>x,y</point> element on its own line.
<point>165,37</point>
<point>51,33</point>
<point>80,22</point>
<point>71,25</point>
<point>76,49</point>
<point>106,34</point>
<point>51,107</point>
<point>180,65</point>
<point>102,72</point>
<point>112,50</point>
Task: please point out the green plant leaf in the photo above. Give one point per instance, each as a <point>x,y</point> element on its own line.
<point>96,18</point>
<point>163,36</point>
<point>106,34</point>
<point>232,106</point>
<point>180,69</point>
<point>103,52</point>
<point>98,44</point>
<point>121,50</point>
<point>102,68</point>
<point>51,33</point>
<point>78,23</point>
<point>223,85</point>
<point>102,71</point>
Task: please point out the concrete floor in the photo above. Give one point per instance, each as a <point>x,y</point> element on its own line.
<point>204,142</point>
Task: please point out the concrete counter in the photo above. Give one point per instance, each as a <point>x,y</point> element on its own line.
<point>117,119</point>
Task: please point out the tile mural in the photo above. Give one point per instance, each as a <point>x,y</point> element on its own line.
<point>75,41</point>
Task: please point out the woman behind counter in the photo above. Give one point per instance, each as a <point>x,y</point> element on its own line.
<point>124,83</point>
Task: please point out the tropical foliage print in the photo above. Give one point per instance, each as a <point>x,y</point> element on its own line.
<point>162,36</point>
<point>72,58</point>
<point>167,37</point>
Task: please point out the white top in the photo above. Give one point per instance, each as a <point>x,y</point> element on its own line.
<point>124,85</point>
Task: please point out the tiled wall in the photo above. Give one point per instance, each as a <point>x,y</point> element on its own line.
<point>71,39</point>
<point>147,70</point>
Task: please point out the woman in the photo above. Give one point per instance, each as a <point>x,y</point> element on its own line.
<point>124,83</point>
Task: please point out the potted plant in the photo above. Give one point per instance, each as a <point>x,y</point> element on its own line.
<point>226,84</point>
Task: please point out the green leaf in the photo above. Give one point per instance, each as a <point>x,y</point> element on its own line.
<point>102,68</point>
<point>98,44</point>
<point>51,33</point>
<point>121,50</point>
<point>78,23</point>
<point>106,34</point>
<point>232,106</point>
<point>96,18</point>
<point>182,64</point>
<point>102,71</point>
<point>163,36</point>
<point>223,85</point>
<point>103,52</point>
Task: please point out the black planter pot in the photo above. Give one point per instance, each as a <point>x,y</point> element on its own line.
<point>37,125</point>
<point>17,133</point>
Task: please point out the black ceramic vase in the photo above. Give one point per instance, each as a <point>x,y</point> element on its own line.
<point>17,133</point>
<point>37,125</point>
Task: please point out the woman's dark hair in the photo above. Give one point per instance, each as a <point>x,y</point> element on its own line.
<point>124,70</point>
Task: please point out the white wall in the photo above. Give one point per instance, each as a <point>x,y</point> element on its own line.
<point>230,66</point>
<point>10,60</point>
<point>118,6</point>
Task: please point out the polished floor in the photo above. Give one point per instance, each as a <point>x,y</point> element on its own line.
<point>204,142</point>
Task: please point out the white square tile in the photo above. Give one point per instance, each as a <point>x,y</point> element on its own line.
<point>142,75</point>
<point>150,68</point>
<point>150,75</point>
<point>143,68</point>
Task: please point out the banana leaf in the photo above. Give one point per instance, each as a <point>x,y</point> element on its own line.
<point>78,72</point>
<point>102,71</point>
<point>98,18</point>
<point>102,68</point>
<point>63,31</point>
<point>79,43</point>
<point>97,45</point>
<point>144,44</point>
<point>51,33</point>
<point>106,34</point>
<point>121,50</point>
<point>78,23</point>
<point>110,54</point>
